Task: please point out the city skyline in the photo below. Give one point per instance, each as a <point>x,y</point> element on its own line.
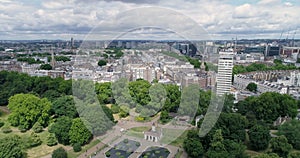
<point>218,19</point>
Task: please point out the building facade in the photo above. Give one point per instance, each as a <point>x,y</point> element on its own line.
<point>224,76</point>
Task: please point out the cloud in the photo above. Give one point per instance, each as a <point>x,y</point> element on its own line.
<point>221,19</point>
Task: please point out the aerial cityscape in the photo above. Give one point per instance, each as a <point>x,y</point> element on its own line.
<point>150,79</point>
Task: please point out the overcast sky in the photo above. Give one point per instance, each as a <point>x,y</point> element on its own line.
<point>149,19</point>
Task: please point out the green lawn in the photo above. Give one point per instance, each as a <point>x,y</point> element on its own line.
<point>179,141</point>
<point>137,131</point>
<point>170,135</point>
<point>72,154</point>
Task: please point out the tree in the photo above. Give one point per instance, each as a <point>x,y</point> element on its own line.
<point>164,116</point>
<point>269,106</point>
<point>217,148</point>
<point>259,137</point>
<point>189,101</point>
<point>233,126</point>
<point>78,133</point>
<point>60,153</point>
<point>193,146</point>
<point>27,109</point>
<point>32,141</point>
<point>61,129</point>
<point>1,123</point>
<point>11,147</point>
<point>102,62</point>
<point>37,127</point>
<point>139,91</point>
<point>104,92</point>
<point>252,87</point>
<point>51,140</point>
<point>77,147</point>
<point>235,149</point>
<point>64,106</point>
<point>280,146</point>
<point>294,155</point>
<point>291,131</point>
<point>46,67</point>
<point>173,98</point>
<point>108,113</point>
<point>228,103</point>
<point>95,118</point>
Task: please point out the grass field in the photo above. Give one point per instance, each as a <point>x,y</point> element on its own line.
<point>72,154</point>
<point>137,131</point>
<point>179,141</point>
<point>170,135</point>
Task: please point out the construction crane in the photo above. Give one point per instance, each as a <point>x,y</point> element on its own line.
<point>288,33</point>
<point>293,39</point>
<point>281,35</point>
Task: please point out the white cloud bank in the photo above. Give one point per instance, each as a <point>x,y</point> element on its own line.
<point>56,19</point>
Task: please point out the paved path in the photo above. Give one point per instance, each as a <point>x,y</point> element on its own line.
<point>114,136</point>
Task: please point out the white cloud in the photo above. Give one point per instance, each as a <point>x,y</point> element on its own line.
<point>53,18</point>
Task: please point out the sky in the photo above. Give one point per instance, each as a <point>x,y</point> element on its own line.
<point>149,19</point>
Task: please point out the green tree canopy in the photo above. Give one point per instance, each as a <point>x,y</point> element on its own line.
<point>280,146</point>
<point>79,133</point>
<point>60,153</point>
<point>259,137</point>
<point>102,62</point>
<point>104,92</point>
<point>233,126</point>
<point>64,106</point>
<point>139,91</point>
<point>61,129</point>
<point>51,140</point>
<point>252,87</point>
<point>192,145</point>
<point>46,67</point>
<point>217,148</point>
<point>291,131</point>
<point>27,109</point>
<point>11,147</point>
<point>269,106</point>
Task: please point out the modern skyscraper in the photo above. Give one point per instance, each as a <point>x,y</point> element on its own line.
<point>224,76</point>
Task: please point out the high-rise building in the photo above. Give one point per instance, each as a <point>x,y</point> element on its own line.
<point>224,76</point>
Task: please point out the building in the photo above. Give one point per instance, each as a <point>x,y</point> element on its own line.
<point>154,135</point>
<point>224,76</point>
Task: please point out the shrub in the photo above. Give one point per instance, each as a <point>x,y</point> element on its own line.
<point>123,114</point>
<point>1,123</point>
<point>32,141</point>
<point>125,141</point>
<point>118,153</point>
<point>107,154</point>
<point>138,144</point>
<point>6,129</point>
<point>22,129</point>
<point>51,140</point>
<point>37,127</point>
<point>77,147</point>
<point>139,119</point>
<point>60,153</point>
<point>115,109</point>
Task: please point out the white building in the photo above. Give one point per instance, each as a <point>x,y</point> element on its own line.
<point>295,78</point>
<point>224,76</point>
<point>154,135</point>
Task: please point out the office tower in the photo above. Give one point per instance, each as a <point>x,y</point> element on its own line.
<point>72,42</point>
<point>224,76</point>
